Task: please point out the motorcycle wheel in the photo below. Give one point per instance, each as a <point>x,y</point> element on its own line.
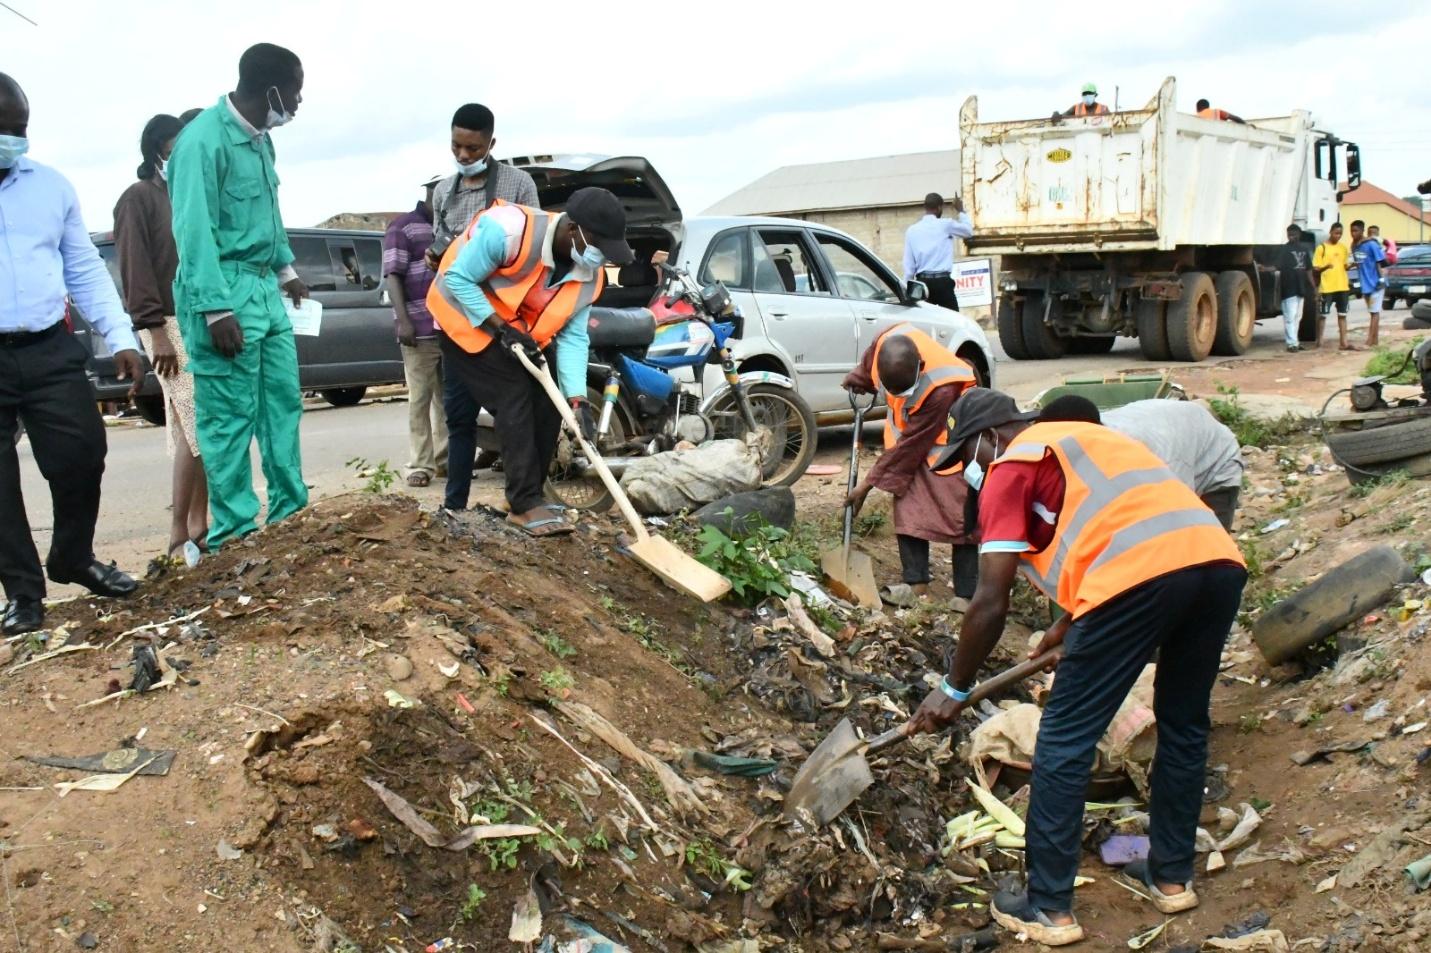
<point>585,491</point>
<point>785,417</point>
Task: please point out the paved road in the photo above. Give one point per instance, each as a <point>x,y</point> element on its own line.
<point>134,517</point>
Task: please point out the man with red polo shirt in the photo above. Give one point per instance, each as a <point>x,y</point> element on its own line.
<point>1104,528</point>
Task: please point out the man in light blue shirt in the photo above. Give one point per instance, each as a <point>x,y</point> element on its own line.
<point>929,249</point>
<point>45,253</point>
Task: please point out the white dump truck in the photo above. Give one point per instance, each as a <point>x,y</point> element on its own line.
<point>1150,223</point>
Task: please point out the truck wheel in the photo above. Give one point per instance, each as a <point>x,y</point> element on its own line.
<point>1151,316</point>
<point>1091,345</point>
<point>1192,319</point>
<point>1040,340</point>
<point>1011,332</point>
<point>1236,313</point>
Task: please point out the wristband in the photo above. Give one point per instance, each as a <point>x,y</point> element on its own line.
<point>953,692</point>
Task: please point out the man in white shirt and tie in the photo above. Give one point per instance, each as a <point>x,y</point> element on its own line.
<point>929,249</point>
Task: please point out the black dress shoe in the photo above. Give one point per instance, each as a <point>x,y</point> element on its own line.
<point>24,614</point>
<point>100,579</point>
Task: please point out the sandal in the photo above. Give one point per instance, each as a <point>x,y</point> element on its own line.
<point>1014,913</point>
<point>554,525</point>
<point>1137,875</point>
<point>419,478</point>
<point>901,595</point>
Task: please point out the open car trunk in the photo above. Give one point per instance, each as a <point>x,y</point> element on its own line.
<point>653,219</point>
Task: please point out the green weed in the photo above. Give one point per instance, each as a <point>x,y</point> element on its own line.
<point>555,644</point>
<point>1249,724</point>
<point>867,524</point>
<point>495,811</point>
<point>596,840</point>
<point>1390,478</point>
<point>1251,430</point>
<point>472,906</point>
<point>1399,525</point>
<point>380,476</point>
<point>1388,360</point>
<point>1255,557</point>
<point>557,680</point>
<point>758,565</point>
<point>502,853</point>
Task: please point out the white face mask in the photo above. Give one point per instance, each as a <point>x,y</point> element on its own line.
<point>974,472</point>
<point>280,116</point>
<point>162,168</point>
<point>1089,99</point>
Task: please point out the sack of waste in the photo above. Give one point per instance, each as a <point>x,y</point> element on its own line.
<point>685,479</point>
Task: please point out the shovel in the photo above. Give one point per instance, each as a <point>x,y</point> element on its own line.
<point>850,575</point>
<point>837,772</point>
<point>661,556</point>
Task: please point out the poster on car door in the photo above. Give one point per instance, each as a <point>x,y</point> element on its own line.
<point>974,282</point>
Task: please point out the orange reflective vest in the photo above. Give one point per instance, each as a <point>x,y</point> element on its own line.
<point>942,368</point>
<point>518,290</point>
<point>1211,113</point>
<point>1097,109</point>
<point>1126,519</point>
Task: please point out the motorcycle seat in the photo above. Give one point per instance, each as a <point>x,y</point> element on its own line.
<point>621,327</point>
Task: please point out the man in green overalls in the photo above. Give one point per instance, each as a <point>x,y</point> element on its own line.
<point>233,257</point>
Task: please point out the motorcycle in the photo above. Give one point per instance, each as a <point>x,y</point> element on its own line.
<point>636,355</point>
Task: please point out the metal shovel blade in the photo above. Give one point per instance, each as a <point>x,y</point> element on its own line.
<point>831,778</point>
<point>851,576</point>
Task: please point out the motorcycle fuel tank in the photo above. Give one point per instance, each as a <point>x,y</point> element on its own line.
<point>681,344</point>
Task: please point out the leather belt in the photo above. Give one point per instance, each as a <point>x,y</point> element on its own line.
<point>14,339</point>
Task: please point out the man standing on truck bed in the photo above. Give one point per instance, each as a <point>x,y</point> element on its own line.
<point>1369,261</point>
<point>1205,110</point>
<point>46,254</point>
<point>233,259</point>
<point>1296,280</point>
<point>479,181</point>
<point>1087,105</point>
<point>929,249</point>
<point>1329,262</point>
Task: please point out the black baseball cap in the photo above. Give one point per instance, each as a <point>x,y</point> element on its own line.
<point>978,409</point>
<point>603,223</point>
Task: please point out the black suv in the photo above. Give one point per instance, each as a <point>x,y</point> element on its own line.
<point>357,348</point>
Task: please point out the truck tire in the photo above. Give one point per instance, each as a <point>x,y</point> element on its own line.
<point>1040,340</point>
<point>1011,332</point>
<point>1192,319</point>
<point>1236,313</point>
<point>1091,345</point>
<point>1150,315</point>
<point>1386,444</point>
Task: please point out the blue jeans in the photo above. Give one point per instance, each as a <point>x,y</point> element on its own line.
<point>1291,319</point>
<point>461,411</point>
<point>1184,617</point>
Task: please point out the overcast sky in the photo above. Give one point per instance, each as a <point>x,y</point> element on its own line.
<point>715,95</point>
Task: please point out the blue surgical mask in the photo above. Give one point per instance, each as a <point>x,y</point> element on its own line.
<point>591,257</point>
<point>11,149</point>
<point>1089,99</point>
<point>472,168</point>
<point>280,116</point>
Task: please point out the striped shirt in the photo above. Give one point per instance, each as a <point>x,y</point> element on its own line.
<point>405,247</point>
<point>454,202</point>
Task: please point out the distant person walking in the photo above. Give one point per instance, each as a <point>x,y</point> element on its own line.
<point>1329,262</point>
<point>233,259</point>
<point>1369,260</point>
<point>408,277</point>
<point>148,260</point>
<point>929,249</point>
<point>1294,264</point>
<point>479,181</point>
<point>46,254</point>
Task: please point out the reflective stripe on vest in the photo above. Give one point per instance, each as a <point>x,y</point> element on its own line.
<point>942,368</point>
<point>518,292</point>
<point>1098,109</point>
<point>1105,518</point>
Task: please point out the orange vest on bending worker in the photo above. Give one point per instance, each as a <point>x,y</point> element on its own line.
<point>1126,519</point>
<point>518,290</point>
<point>1097,109</point>
<point>942,368</point>
<point>1210,113</point>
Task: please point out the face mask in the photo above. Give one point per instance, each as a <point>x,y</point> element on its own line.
<point>907,392</point>
<point>11,149</point>
<point>973,471</point>
<point>162,167</point>
<point>592,257</point>
<point>1089,99</point>
<point>280,116</point>
<point>472,168</point>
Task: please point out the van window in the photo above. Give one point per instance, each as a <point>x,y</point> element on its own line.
<point>726,261</point>
<point>311,261</point>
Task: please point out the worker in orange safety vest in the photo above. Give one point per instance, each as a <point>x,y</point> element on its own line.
<point>520,277</point>
<point>1205,111</point>
<point>921,380</point>
<point>1144,568</point>
<point>1087,105</point>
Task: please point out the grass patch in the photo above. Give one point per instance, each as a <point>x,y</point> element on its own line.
<point>1390,478</point>
<point>555,644</point>
<point>1388,360</point>
<point>557,681</point>
<point>472,904</point>
<point>1252,431</point>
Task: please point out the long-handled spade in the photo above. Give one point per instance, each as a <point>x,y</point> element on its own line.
<point>849,573</point>
<point>837,771</point>
<point>661,556</point>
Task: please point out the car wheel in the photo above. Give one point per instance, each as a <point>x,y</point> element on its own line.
<point>1150,314</point>
<point>1042,341</point>
<point>1236,313</point>
<point>151,408</point>
<point>1389,302</point>
<point>1192,319</point>
<point>1011,332</point>
<point>1385,444</point>
<point>343,396</point>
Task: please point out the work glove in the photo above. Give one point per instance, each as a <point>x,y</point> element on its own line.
<point>513,336</point>
<point>581,407</point>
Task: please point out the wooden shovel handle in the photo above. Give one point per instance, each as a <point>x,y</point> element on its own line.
<point>544,377</point>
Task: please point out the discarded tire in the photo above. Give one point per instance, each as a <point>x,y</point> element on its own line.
<point>1421,310</point>
<point>1385,444</point>
<point>1411,466</point>
<point>774,505</point>
<point>1415,324</point>
<point>1342,594</point>
<point>1192,319</point>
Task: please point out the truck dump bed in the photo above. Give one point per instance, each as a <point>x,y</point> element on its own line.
<point>1148,179</point>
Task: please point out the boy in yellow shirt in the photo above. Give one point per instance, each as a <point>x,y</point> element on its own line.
<point>1329,263</point>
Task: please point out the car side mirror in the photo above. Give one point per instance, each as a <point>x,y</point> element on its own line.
<point>916,291</point>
